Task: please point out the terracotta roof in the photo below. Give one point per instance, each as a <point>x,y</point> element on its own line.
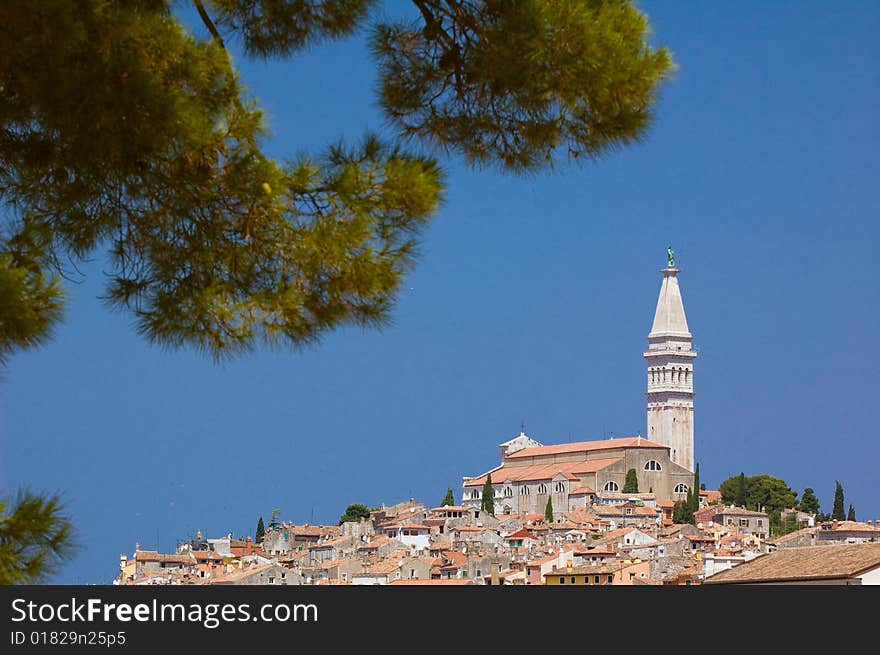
<point>307,530</point>
<point>384,567</point>
<point>584,446</point>
<point>450,508</point>
<point>850,526</point>
<point>440,545</point>
<point>154,556</point>
<point>455,558</point>
<point>536,472</point>
<point>589,552</point>
<point>202,555</point>
<point>522,533</point>
<point>375,542</point>
<point>237,574</point>
<point>803,564</point>
<point>582,490</point>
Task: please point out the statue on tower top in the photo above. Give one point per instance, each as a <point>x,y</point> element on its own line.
<point>670,258</point>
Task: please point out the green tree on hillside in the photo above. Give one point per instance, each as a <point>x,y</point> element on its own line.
<point>851,514</point>
<point>809,502</point>
<point>741,495</point>
<point>261,531</point>
<point>760,492</point>
<point>487,503</point>
<point>548,511</point>
<point>631,484</point>
<point>355,512</point>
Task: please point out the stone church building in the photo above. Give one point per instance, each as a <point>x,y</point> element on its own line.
<point>572,474</point>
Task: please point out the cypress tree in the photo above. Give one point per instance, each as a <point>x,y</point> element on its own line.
<point>261,530</point>
<point>448,499</point>
<point>548,511</point>
<point>851,515</point>
<point>681,512</point>
<point>631,486</point>
<point>487,504</point>
<point>838,513</point>
<point>695,499</point>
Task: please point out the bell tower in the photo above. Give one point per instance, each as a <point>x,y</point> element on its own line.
<point>670,361</point>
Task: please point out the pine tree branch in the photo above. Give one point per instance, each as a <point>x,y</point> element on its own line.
<point>206,19</point>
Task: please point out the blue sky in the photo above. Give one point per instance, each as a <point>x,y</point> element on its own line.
<point>531,302</point>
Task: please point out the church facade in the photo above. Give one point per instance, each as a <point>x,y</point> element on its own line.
<point>573,475</point>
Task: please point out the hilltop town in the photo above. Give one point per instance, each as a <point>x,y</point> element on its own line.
<point>624,511</point>
<point>619,539</point>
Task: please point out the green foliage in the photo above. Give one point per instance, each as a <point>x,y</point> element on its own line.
<point>31,301</point>
<point>355,512</point>
<point>123,134</point>
<point>487,503</point>
<point>851,514</point>
<point>548,511</point>
<point>838,513</point>
<point>515,83</point>
<point>761,492</point>
<point>741,495</point>
<point>702,486</point>
<point>36,537</point>
<point>780,525</point>
<point>631,484</point>
<point>694,498</point>
<point>809,502</point>
<point>261,531</point>
<point>448,499</point>
<point>682,512</point>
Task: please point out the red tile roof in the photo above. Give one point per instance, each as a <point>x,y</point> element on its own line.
<point>536,472</point>
<point>583,446</point>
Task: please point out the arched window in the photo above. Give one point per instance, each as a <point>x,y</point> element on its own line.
<point>475,494</point>
<point>542,488</point>
<point>652,465</point>
<point>611,486</point>
<point>559,488</point>
<point>524,491</point>
<point>681,488</point>
<point>508,492</point>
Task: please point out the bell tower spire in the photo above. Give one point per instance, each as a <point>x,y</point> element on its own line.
<point>670,361</point>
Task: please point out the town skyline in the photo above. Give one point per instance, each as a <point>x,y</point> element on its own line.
<point>531,302</point>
